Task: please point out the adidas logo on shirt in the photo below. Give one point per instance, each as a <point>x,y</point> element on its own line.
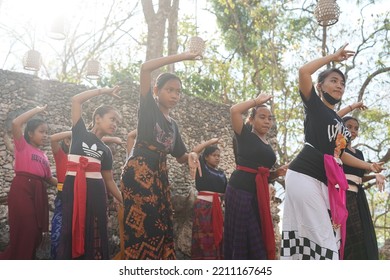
<point>91,151</point>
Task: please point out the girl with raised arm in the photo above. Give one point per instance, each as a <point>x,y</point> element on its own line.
<point>28,209</point>
<point>314,214</point>
<point>88,176</point>
<point>207,229</point>
<point>148,211</point>
<point>248,228</point>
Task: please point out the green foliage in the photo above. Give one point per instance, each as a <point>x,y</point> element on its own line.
<point>121,75</point>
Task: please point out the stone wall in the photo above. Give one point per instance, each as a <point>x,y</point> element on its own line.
<point>198,121</point>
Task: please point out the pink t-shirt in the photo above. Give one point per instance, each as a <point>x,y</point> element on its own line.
<point>30,159</point>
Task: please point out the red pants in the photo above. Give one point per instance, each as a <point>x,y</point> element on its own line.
<point>26,200</point>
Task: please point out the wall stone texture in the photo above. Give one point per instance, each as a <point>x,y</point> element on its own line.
<point>198,121</point>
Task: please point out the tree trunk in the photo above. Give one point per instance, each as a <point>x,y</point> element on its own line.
<point>156,22</point>
<point>172,31</point>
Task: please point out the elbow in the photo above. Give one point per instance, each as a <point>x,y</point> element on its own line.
<point>233,110</point>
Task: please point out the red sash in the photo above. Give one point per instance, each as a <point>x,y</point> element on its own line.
<point>263,202</point>
<point>80,202</point>
<point>217,218</point>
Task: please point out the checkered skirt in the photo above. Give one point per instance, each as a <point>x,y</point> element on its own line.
<point>307,232</point>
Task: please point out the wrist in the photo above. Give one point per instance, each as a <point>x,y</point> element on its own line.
<point>350,107</point>
<point>254,102</point>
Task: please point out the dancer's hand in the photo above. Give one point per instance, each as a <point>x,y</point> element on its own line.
<point>377,167</point>
<point>193,55</point>
<point>111,91</point>
<point>281,171</point>
<point>262,98</point>
<point>342,54</point>
<point>359,105</point>
<point>42,109</point>
<point>194,164</point>
<point>380,181</point>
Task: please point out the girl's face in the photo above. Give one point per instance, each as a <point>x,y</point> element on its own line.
<point>39,136</point>
<point>213,159</point>
<point>169,94</point>
<point>262,121</point>
<point>353,127</point>
<point>107,123</point>
<point>334,85</point>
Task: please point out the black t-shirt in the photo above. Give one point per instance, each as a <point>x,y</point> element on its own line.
<point>322,125</point>
<point>85,143</point>
<point>252,152</point>
<point>353,170</point>
<point>154,128</point>
<point>213,180</point>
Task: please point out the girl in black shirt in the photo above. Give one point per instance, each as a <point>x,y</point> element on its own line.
<point>208,217</point>
<point>88,178</point>
<point>248,228</point>
<point>308,231</point>
<point>361,243</point>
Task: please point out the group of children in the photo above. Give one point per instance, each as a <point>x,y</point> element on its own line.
<point>314,212</point>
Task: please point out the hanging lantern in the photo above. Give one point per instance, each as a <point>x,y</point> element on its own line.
<point>32,60</point>
<point>57,29</point>
<point>93,69</point>
<point>327,12</point>
<point>197,45</point>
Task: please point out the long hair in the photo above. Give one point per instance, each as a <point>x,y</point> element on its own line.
<point>31,126</point>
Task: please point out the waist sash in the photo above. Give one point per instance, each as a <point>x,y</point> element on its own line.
<point>337,198</point>
<point>263,202</point>
<point>80,201</point>
<point>217,218</point>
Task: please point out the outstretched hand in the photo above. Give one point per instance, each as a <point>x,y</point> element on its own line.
<point>194,164</point>
<point>282,170</point>
<point>198,55</point>
<point>377,167</point>
<point>342,54</point>
<point>111,91</point>
<point>359,105</point>
<point>42,109</point>
<point>380,181</point>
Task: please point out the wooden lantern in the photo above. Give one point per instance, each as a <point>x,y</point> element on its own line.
<point>93,69</point>
<point>197,45</point>
<point>32,60</point>
<point>57,29</point>
<point>327,12</point>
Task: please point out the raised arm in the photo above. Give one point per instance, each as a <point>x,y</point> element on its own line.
<point>19,121</point>
<point>153,64</point>
<point>80,98</point>
<point>200,147</point>
<point>305,72</point>
<point>56,138</point>
<point>238,109</point>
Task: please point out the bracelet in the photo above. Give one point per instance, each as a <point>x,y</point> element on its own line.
<point>350,107</point>
<point>254,101</point>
